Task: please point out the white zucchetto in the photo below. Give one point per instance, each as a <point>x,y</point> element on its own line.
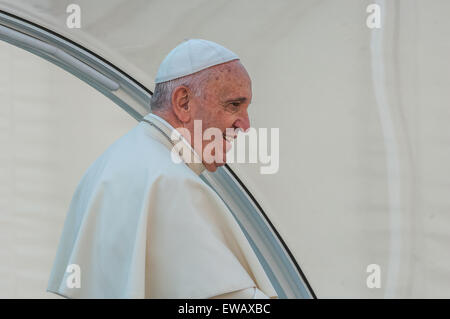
<point>192,56</point>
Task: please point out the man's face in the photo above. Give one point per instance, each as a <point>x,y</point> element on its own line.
<point>223,104</point>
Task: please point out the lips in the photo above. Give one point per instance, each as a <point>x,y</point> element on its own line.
<point>228,141</point>
<point>230,134</point>
<point>228,138</point>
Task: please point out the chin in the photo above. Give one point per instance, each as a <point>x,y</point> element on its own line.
<point>211,167</point>
<point>214,166</point>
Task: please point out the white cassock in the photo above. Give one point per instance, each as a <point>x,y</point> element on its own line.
<point>142,226</point>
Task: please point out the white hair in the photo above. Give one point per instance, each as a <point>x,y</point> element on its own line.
<point>162,95</point>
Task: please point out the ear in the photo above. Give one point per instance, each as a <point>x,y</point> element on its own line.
<point>180,103</point>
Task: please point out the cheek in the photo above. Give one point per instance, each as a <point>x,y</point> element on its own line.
<point>212,114</point>
<point>216,119</point>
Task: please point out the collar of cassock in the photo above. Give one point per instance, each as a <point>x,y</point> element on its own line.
<point>174,137</point>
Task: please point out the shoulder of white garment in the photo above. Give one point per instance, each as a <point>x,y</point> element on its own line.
<point>163,132</point>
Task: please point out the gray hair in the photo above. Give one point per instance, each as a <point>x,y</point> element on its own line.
<point>162,95</point>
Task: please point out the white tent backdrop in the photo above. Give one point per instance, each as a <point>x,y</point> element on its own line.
<point>363,117</point>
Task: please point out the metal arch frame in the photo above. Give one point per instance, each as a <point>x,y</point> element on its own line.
<point>275,257</point>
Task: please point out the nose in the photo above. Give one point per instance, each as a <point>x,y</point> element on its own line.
<point>243,122</point>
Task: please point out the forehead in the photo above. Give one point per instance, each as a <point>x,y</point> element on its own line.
<point>229,80</point>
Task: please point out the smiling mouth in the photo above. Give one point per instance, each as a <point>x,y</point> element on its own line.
<point>228,138</point>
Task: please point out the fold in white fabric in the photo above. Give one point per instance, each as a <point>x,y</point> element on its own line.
<point>141,226</point>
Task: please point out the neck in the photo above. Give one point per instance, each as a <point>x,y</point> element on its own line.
<point>169,117</point>
<point>196,166</point>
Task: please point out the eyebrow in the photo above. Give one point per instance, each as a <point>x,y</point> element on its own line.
<point>238,99</point>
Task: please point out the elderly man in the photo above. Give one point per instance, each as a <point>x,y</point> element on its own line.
<point>142,224</point>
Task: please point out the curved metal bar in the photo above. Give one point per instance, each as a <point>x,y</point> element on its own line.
<point>133,97</point>
<point>28,41</point>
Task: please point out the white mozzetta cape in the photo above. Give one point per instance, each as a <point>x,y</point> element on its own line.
<point>141,226</point>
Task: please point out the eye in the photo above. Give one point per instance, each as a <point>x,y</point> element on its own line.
<point>232,107</point>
